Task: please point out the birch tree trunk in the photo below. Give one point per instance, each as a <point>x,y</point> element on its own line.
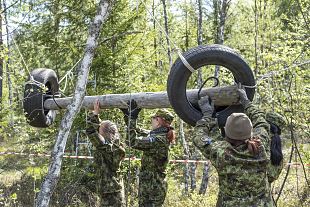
<point>256,38</point>
<point>51,179</point>
<point>205,174</point>
<point>181,123</point>
<point>205,179</point>
<point>55,46</point>
<point>199,39</point>
<point>193,166</point>
<point>167,33</point>
<point>7,65</point>
<point>155,34</point>
<point>222,9</point>
<point>186,155</point>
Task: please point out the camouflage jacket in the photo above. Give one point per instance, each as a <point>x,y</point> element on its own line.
<point>274,171</point>
<point>107,158</point>
<point>154,145</point>
<point>242,176</point>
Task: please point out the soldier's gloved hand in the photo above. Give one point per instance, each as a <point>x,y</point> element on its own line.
<point>206,106</point>
<point>132,110</point>
<point>243,98</point>
<point>96,107</point>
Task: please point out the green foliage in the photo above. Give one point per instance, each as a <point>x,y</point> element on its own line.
<point>132,57</point>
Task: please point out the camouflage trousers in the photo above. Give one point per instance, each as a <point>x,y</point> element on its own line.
<point>115,199</point>
<point>263,200</point>
<point>152,189</point>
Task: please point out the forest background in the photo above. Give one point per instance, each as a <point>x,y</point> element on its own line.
<point>135,55</point>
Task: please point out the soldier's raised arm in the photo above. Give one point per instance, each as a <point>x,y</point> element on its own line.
<point>133,132</point>
<point>93,122</point>
<point>257,116</point>
<point>203,128</point>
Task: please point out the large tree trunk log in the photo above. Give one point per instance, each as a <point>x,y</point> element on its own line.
<point>74,105</point>
<point>222,96</point>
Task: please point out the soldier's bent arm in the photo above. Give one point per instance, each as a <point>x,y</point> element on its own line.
<point>138,137</point>
<point>202,139</point>
<point>260,125</point>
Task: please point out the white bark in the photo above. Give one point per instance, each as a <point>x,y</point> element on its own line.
<point>186,155</point>
<point>7,65</point>
<point>167,33</point>
<point>222,96</point>
<point>204,179</point>
<point>223,9</point>
<point>52,177</point>
<point>199,39</point>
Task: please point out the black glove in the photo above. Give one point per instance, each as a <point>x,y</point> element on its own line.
<point>243,98</point>
<point>132,110</point>
<point>206,105</point>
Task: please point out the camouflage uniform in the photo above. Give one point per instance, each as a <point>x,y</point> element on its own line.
<point>242,176</point>
<point>107,161</point>
<point>152,177</point>
<point>273,170</point>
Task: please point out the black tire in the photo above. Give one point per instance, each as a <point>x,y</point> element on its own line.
<point>44,84</point>
<point>202,56</point>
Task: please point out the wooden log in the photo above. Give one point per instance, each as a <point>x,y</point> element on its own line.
<point>222,96</point>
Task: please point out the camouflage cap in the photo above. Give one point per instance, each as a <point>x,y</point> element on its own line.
<point>275,118</point>
<point>165,114</point>
<point>238,126</point>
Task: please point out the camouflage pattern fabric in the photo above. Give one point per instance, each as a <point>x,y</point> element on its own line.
<point>107,162</point>
<point>277,119</point>
<point>242,176</point>
<point>164,113</point>
<point>273,172</point>
<point>154,161</point>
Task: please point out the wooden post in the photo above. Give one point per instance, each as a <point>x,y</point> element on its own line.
<point>222,96</point>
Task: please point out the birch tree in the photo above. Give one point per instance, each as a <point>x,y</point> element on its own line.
<point>221,9</point>
<point>167,32</point>
<point>7,64</point>
<point>205,175</point>
<point>52,177</point>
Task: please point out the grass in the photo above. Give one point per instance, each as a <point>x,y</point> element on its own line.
<point>17,186</point>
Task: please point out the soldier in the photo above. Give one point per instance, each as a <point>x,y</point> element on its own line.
<point>277,122</point>
<point>109,153</point>
<point>241,159</point>
<point>155,147</point>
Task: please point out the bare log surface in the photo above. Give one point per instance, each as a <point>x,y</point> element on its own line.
<point>222,96</point>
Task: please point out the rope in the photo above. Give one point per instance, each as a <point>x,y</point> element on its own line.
<point>31,81</point>
<point>21,56</point>
<point>56,102</point>
<point>202,85</point>
<point>184,61</point>
<point>276,72</point>
<point>69,71</point>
